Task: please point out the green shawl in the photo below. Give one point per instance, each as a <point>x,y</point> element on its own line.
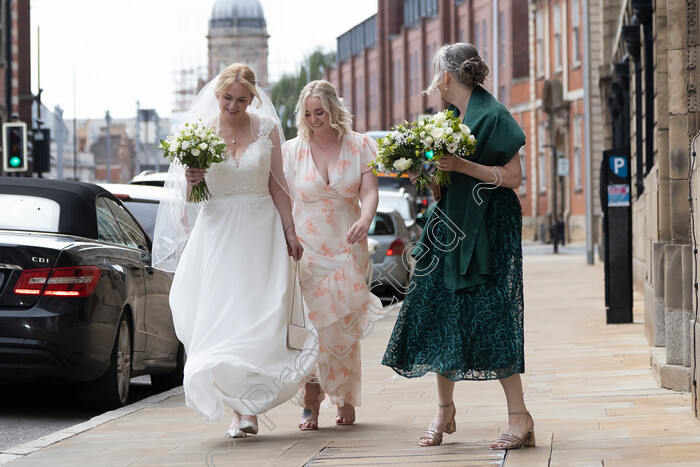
<point>498,139</point>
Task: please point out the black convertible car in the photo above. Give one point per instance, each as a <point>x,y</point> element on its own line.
<point>79,300</point>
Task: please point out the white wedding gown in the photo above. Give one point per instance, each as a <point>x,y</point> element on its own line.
<point>232,292</point>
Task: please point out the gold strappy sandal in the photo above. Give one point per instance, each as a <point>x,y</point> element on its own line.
<point>509,441</point>
<point>432,437</point>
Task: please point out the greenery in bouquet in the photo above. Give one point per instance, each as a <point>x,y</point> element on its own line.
<point>400,152</point>
<point>441,134</point>
<point>197,146</point>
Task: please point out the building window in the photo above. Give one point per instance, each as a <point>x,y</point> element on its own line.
<point>502,38</point>
<point>542,169</point>
<point>477,38</point>
<point>485,39</point>
<point>415,74</point>
<point>414,10</point>
<point>539,27</point>
<point>502,95</point>
<point>461,35</point>
<point>398,88</point>
<point>359,96</point>
<point>523,167</point>
<point>578,176</point>
<point>556,24</point>
<point>575,33</point>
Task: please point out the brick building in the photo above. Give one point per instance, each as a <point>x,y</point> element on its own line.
<point>534,51</point>
<point>557,131</point>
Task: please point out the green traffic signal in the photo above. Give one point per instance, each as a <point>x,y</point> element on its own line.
<point>14,146</point>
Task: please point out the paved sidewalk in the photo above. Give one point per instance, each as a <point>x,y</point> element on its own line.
<point>588,385</point>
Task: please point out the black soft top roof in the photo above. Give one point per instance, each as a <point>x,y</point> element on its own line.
<point>76,199</point>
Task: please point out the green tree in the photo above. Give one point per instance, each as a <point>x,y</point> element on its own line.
<point>285,92</point>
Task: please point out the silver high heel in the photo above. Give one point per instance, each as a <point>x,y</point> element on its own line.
<point>508,441</point>
<point>433,437</point>
<point>244,428</point>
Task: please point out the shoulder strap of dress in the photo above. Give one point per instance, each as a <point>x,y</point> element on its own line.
<point>266,125</point>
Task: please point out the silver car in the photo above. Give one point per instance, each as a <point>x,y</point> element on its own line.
<point>405,205</point>
<point>392,267</point>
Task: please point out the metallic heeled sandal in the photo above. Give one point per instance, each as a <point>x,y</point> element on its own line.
<point>244,428</point>
<point>340,419</point>
<point>308,423</point>
<point>434,438</point>
<point>510,441</point>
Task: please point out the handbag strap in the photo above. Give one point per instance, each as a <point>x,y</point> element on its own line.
<point>294,290</point>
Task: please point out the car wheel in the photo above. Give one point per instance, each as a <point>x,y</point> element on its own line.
<point>165,381</point>
<point>111,390</point>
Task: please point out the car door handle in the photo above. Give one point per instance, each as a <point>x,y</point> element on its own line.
<point>146,258</point>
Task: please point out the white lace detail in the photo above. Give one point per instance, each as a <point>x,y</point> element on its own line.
<point>252,173</point>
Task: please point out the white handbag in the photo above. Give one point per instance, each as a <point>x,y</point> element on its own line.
<point>296,334</point>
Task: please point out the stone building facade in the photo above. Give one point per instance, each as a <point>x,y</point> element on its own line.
<point>238,33</point>
<point>649,84</point>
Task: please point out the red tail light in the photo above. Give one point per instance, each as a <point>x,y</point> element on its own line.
<point>396,247</point>
<point>61,282</point>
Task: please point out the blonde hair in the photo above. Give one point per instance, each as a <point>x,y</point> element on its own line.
<point>237,73</point>
<point>338,113</point>
<point>462,60</point>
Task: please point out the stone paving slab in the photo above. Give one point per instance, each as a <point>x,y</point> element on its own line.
<point>588,385</point>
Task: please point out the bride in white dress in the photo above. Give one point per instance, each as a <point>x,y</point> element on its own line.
<point>232,290</point>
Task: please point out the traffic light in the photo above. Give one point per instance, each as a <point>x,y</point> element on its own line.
<point>14,147</point>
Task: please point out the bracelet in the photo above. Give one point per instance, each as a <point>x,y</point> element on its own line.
<point>288,227</point>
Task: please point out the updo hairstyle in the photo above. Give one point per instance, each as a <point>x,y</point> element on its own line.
<point>462,60</point>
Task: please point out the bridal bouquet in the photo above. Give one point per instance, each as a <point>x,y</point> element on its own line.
<point>441,134</point>
<point>400,152</point>
<point>196,146</point>
<point>411,146</point>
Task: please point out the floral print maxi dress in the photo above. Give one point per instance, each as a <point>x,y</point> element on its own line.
<point>332,271</point>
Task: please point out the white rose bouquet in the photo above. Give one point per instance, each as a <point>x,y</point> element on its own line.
<point>399,152</point>
<point>441,134</point>
<point>196,146</point>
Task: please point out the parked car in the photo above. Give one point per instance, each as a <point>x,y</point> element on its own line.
<point>391,266</point>
<point>149,177</point>
<point>377,134</point>
<point>79,300</point>
<point>371,247</point>
<point>141,201</point>
<point>405,205</point>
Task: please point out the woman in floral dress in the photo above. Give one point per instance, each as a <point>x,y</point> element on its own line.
<point>335,199</point>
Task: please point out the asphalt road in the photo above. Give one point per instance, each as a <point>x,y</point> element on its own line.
<point>31,411</point>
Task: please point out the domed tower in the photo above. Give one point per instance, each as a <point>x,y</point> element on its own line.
<point>238,34</point>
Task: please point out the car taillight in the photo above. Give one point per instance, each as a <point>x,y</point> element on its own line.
<point>396,247</point>
<point>60,282</point>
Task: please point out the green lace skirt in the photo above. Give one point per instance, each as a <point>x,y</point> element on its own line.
<point>463,335</point>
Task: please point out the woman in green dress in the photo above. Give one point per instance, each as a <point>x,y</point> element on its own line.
<point>463,315</point>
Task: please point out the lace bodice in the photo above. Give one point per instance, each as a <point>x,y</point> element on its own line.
<point>251,174</point>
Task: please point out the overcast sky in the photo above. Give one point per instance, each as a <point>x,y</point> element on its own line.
<point>128,50</point>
